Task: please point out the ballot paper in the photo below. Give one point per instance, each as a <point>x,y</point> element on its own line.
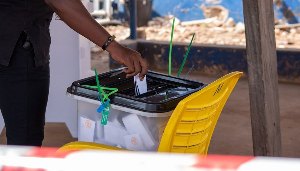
<point>134,142</point>
<point>86,130</point>
<point>115,134</point>
<point>140,86</point>
<point>135,125</point>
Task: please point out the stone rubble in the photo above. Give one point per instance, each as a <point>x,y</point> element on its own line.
<point>207,31</point>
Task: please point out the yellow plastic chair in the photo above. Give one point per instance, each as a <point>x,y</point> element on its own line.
<point>190,128</point>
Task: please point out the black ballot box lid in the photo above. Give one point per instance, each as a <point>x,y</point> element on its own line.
<point>163,92</point>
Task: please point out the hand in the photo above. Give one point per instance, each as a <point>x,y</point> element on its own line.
<point>70,9</point>
<point>131,59</point>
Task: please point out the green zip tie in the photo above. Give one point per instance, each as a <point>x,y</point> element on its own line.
<point>113,90</point>
<point>187,52</point>
<point>101,89</point>
<point>105,96</point>
<point>170,52</point>
<point>98,86</point>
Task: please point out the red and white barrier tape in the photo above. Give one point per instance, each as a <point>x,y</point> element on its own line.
<point>33,158</point>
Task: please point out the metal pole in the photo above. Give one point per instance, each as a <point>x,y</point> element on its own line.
<point>132,19</point>
<point>96,5</point>
<point>107,6</point>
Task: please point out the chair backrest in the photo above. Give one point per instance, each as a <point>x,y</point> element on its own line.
<point>192,123</point>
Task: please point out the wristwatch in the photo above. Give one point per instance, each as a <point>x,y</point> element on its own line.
<point>110,39</point>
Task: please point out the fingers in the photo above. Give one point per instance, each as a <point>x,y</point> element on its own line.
<point>130,68</point>
<point>135,66</point>
<point>137,69</point>
<point>132,60</point>
<point>144,70</point>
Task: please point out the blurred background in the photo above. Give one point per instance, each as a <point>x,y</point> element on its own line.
<point>218,48</point>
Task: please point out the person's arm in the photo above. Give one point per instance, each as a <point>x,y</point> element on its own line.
<point>76,16</point>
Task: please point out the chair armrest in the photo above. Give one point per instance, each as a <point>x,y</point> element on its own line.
<point>78,145</point>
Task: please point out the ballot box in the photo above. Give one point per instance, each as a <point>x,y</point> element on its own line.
<point>136,121</point>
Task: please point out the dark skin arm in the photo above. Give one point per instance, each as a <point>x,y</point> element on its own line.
<point>75,15</point>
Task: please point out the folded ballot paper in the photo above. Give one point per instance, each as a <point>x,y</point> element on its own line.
<point>87,129</point>
<point>140,86</point>
<point>114,133</point>
<point>134,142</point>
<point>135,125</point>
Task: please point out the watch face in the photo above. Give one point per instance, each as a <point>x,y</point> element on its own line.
<point>112,37</point>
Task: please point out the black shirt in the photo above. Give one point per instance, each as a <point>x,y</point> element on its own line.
<point>30,16</point>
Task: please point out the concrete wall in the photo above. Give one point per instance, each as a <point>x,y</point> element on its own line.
<point>210,59</point>
<point>70,61</point>
<point>64,69</point>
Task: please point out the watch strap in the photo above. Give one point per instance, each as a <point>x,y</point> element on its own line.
<point>109,40</point>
